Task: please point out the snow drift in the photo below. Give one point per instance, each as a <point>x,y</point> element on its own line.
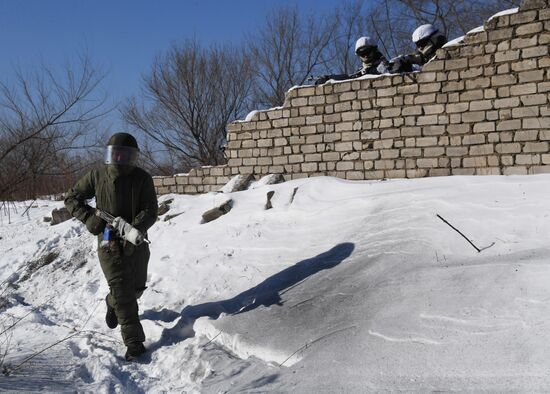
<point>340,287</point>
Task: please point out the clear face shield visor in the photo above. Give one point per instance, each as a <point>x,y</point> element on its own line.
<point>121,155</point>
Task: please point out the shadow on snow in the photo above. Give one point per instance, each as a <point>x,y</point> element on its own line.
<point>267,293</point>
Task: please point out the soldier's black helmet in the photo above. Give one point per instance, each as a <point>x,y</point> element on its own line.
<point>123,139</point>
<point>122,149</point>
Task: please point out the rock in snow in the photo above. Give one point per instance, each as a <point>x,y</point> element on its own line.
<point>214,213</point>
<point>237,183</point>
<point>60,215</point>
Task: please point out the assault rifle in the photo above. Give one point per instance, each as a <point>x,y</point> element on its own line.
<point>321,79</point>
<point>124,229</point>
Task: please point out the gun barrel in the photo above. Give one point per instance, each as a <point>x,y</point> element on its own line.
<point>109,219</point>
<point>105,216</point>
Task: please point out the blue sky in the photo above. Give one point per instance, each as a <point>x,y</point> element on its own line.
<point>124,36</point>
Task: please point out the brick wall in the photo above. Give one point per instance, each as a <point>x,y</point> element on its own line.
<point>478,108</point>
<point>198,180</point>
<point>481,107</point>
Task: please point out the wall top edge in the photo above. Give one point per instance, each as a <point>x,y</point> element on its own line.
<point>448,52</point>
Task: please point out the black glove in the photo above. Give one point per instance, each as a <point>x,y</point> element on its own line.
<point>396,65</point>
<point>322,79</point>
<point>402,64</point>
<point>95,224</point>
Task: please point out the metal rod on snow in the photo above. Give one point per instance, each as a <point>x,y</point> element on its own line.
<point>29,207</point>
<point>458,231</point>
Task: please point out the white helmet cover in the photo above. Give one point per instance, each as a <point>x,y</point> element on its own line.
<point>423,32</point>
<point>364,42</point>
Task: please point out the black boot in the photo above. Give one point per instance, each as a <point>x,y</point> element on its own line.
<point>134,350</point>
<point>110,316</point>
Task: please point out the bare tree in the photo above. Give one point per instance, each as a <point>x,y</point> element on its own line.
<point>287,51</point>
<point>393,21</point>
<point>44,116</point>
<point>192,92</point>
<point>188,99</point>
<point>158,160</point>
<point>351,23</point>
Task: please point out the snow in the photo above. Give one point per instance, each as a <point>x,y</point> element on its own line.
<point>233,183</point>
<point>265,180</point>
<point>251,115</point>
<point>361,78</point>
<point>455,42</point>
<point>478,29</point>
<point>343,286</point>
<point>505,12</point>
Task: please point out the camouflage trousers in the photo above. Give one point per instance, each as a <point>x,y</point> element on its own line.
<point>126,274</point>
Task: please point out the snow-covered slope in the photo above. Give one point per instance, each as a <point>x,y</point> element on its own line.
<point>341,287</point>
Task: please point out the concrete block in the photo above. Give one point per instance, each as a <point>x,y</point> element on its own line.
<point>473,139</point>
<point>528,159</point>
<point>531,76</point>
<point>508,148</point>
<point>536,147</point>
<point>514,170</point>
<point>427,163</point>
<point>479,150</point>
<point>529,29</point>
<point>384,164</point>
<point>426,141</point>
<point>526,135</point>
<point>457,151</point>
<point>434,152</point>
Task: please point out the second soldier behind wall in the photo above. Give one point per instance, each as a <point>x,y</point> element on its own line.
<point>427,40</point>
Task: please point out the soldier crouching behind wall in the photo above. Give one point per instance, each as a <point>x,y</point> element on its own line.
<point>127,193</point>
<point>372,62</point>
<point>427,40</point>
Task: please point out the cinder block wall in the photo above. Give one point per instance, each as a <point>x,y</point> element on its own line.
<point>198,180</point>
<point>478,108</point>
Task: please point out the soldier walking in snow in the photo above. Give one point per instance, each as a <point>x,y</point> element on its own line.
<point>125,192</point>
